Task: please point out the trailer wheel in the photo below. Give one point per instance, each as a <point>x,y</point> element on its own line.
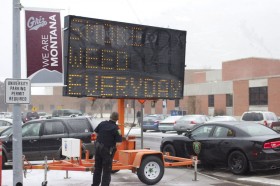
<point>151,170</point>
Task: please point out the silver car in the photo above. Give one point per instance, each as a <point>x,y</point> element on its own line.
<point>168,123</point>
<point>188,122</point>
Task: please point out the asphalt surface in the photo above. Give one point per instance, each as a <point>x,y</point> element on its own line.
<point>173,176</point>
<point>178,176</point>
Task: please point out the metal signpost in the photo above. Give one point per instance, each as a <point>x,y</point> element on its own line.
<point>17,135</point>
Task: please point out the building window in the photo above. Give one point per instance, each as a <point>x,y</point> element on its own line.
<point>258,96</point>
<point>210,100</point>
<point>229,100</point>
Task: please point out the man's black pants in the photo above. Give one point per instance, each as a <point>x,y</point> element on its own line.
<point>103,166</point>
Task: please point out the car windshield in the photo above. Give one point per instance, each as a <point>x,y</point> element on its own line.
<point>253,116</point>
<point>147,118</point>
<point>6,132</point>
<point>257,130</point>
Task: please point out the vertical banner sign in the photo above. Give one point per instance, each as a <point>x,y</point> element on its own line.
<point>43,47</point>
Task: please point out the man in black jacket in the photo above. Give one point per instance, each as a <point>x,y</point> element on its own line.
<point>108,136</point>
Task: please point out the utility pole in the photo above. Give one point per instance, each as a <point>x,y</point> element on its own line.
<point>17,130</point>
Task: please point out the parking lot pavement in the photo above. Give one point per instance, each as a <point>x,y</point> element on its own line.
<point>173,176</point>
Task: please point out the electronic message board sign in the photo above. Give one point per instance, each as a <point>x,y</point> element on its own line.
<point>108,59</point>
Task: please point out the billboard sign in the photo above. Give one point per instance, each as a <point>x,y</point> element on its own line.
<point>109,59</point>
<point>43,47</point>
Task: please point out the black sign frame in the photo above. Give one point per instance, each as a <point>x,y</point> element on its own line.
<point>109,59</point>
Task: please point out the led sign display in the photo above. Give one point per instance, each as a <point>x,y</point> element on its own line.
<point>108,59</point>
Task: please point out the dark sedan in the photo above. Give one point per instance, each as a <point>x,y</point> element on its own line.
<point>151,122</point>
<point>240,146</point>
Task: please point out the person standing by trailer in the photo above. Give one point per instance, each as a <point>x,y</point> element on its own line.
<point>138,115</point>
<point>108,137</point>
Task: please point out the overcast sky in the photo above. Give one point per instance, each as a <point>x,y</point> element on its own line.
<point>217,30</point>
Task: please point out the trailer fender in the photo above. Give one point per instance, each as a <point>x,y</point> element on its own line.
<point>141,155</point>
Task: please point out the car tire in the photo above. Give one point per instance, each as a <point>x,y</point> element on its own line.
<point>170,149</point>
<point>238,163</point>
<point>144,130</point>
<point>179,132</point>
<point>151,170</point>
<point>163,131</point>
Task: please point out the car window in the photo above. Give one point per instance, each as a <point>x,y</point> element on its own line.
<point>202,132</point>
<point>7,132</point>
<point>4,123</point>
<point>79,125</point>
<point>147,118</point>
<point>257,130</point>
<point>32,129</point>
<point>271,116</point>
<point>253,116</point>
<point>223,132</point>
<point>54,127</point>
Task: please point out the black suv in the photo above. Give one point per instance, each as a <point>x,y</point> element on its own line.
<point>43,137</point>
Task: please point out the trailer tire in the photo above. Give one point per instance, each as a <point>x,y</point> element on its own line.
<point>151,170</point>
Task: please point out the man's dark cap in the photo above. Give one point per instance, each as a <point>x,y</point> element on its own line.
<point>114,116</point>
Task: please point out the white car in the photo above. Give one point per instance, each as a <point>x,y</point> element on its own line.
<point>221,118</point>
<point>5,123</point>
<point>262,117</point>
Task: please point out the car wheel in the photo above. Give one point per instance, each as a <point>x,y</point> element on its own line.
<point>237,163</point>
<point>163,131</point>
<point>179,133</point>
<point>151,170</point>
<point>169,149</point>
<point>144,130</point>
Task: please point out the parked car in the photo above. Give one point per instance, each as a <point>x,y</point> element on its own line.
<point>188,122</point>
<point>6,131</point>
<point>262,117</point>
<point>168,123</point>
<point>6,115</point>
<point>240,146</point>
<point>44,115</point>
<point>43,137</point>
<point>151,122</point>
<point>221,118</point>
<point>67,113</point>
<point>5,123</point>
<point>27,116</point>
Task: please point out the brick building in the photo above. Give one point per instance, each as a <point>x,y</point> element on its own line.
<point>241,85</point>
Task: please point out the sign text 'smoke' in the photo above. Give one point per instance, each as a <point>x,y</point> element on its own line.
<point>17,91</point>
<point>109,59</point>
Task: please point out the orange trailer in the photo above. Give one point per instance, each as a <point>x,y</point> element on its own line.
<point>147,164</point>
